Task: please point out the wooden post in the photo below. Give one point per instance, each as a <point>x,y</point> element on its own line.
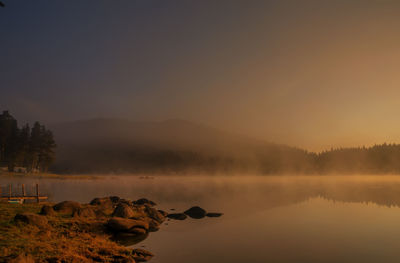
<point>37,192</point>
<point>23,190</point>
<point>9,191</point>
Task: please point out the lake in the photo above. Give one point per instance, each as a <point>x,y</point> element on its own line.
<point>266,219</point>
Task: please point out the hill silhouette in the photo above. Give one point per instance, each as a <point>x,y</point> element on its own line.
<point>177,146</point>
<point>121,146</point>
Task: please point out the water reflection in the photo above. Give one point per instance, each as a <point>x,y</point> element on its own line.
<point>266,219</point>
<point>265,191</point>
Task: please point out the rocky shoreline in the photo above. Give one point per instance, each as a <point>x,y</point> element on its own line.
<point>96,232</point>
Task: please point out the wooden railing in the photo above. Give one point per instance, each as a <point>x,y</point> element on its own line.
<point>23,196</point>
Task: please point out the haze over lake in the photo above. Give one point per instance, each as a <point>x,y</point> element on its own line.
<point>280,118</point>
<point>266,219</point>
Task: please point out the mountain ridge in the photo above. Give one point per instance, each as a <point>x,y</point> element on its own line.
<point>116,139</point>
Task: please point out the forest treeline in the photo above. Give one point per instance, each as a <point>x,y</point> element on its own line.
<point>115,146</point>
<point>25,148</point>
<point>274,159</point>
<point>377,159</point>
<point>101,146</point>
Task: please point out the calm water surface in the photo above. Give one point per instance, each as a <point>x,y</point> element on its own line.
<point>266,219</point>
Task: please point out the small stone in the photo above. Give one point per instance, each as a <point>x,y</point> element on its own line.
<point>177,216</point>
<point>214,214</point>
<point>141,255</point>
<point>196,212</point>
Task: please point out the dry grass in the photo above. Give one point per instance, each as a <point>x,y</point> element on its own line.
<point>66,239</point>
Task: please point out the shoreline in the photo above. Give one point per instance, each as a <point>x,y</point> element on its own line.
<point>103,230</point>
<point>46,176</point>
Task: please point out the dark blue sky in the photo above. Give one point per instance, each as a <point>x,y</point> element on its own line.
<point>97,58</point>
<point>310,73</point>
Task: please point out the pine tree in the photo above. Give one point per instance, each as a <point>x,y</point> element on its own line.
<point>26,147</point>
<point>23,146</point>
<point>46,153</point>
<point>8,140</point>
<point>34,147</point>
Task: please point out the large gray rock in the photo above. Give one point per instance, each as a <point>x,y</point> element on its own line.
<point>67,207</point>
<point>32,219</point>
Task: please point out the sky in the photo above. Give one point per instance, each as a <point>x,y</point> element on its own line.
<point>312,74</point>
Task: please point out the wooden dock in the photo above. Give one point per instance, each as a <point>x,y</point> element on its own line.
<point>22,196</point>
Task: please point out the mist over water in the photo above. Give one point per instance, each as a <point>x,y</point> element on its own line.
<point>266,219</point>
<point>184,103</point>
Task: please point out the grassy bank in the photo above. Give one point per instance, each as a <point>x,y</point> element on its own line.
<point>64,238</point>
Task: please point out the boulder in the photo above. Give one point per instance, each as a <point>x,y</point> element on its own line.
<point>118,224</point>
<point>22,258</point>
<point>196,212</point>
<point>124,201</point>
<point>84,212</point>
<point>126,211</point>
<point>141,255</point>
<point>32,219</point>
<point>214,214</point>
<point>67,207</point>
<point>104,202</point>
<point>137,231</point>
<point>154,225</point>
<point>128,239</point>
<point>177,216</point>
<point>144,201</point>
<point>47,210</point>
<point>114,199</point>
<point>154,214</point>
